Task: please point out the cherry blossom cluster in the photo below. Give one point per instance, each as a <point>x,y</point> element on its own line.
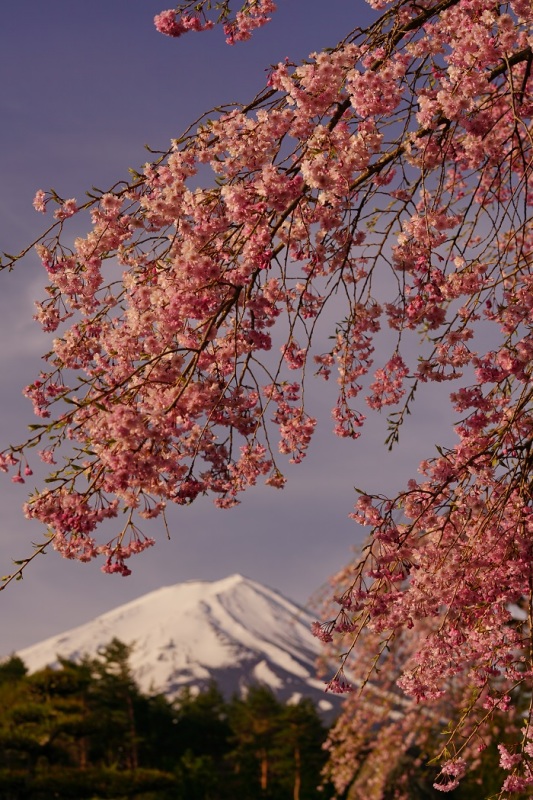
<point>386,742</point>
<point>166,23</point>
<point>389,180</point>
<point>238,27</point>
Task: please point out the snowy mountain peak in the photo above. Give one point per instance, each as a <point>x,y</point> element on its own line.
<point>234,631</point>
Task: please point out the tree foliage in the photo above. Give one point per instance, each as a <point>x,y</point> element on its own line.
<point>389,179</point>
<point>85,730</point>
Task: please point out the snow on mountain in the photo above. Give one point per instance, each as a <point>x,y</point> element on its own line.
<point>235,631</point>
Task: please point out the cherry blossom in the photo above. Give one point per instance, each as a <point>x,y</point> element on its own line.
<point>387,179</point>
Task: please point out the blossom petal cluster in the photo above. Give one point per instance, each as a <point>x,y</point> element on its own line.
<point>193,16</point>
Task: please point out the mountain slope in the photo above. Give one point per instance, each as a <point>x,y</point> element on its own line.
<point>234,631</point>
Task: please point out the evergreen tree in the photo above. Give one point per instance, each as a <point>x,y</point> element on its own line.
<point>255,722</point>
<point>202,721</point>
<point>299,751</point>
<point>115,694</point>
<point>86,731</point>
<point>204,735</point>
<point>71,732</point>
<point>12,670</point>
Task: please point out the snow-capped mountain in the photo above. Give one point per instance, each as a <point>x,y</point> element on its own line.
<point>235,631</point>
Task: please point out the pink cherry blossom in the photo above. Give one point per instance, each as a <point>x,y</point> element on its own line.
<point>366,217</point>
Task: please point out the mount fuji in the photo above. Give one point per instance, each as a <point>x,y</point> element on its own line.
<point>233,631</point>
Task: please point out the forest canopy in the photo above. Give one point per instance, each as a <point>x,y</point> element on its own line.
<point>85,730</point>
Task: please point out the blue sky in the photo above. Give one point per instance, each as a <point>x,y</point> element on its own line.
<point>85,85</point>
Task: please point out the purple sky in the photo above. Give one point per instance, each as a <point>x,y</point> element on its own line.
<point>85,85</point>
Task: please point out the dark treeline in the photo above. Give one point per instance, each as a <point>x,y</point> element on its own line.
<point>85,730</point>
